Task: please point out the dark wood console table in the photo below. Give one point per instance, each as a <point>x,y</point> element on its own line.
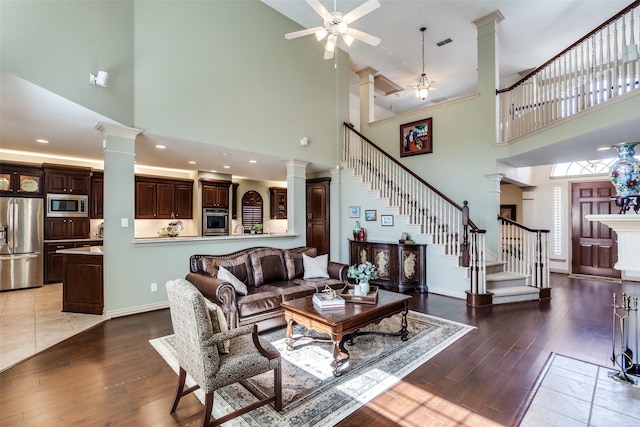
<point>401,266</point>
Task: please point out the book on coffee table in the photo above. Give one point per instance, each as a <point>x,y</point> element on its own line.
<point>322,300</point>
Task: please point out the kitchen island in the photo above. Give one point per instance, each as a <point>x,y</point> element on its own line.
<point>82,285</point>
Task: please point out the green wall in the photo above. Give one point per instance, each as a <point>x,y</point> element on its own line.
<point>222,72</point>
<point>56,44</point>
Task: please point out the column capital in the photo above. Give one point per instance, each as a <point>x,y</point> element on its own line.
<point>117,130</point>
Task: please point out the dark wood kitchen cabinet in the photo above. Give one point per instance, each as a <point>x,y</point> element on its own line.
<point>158,198</point>
<point>54,265</point>
<point>20,180</point>
<point>97,196</point>
<point>82,287</point>
<point>278,205</point>
<point>215,194</point>
<point>400,266</point>
<point>67,179</point>
<point>66,228</point>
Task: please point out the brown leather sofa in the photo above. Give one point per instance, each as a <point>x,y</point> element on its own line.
<point>271,275</point>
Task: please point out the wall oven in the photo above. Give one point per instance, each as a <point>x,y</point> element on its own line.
<point>67,205</point>
<point>215,222</point>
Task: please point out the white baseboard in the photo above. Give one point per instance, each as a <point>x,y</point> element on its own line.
<point>137,309</point>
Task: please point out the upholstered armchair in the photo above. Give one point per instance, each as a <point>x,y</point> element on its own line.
<point>215,360</point>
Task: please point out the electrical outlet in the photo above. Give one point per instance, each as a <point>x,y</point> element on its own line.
<point>154,287</point>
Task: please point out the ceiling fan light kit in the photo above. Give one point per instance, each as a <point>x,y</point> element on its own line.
<point>336,25</point>
<point>422,89</point>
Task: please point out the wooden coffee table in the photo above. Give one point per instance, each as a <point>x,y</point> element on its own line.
<point>342,325</point>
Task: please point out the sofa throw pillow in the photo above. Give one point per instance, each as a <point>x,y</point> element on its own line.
<point>218,324</point>
<point>239,266</point>
<point>315,268</point>
<point>225,275</point>
<point>293,261</point>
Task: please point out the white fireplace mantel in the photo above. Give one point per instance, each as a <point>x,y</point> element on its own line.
<point>627,226</point>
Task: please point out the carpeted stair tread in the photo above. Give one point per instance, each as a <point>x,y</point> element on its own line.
<point>515,290</point>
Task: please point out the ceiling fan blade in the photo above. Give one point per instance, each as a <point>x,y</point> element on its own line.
<point>361,10</point>
<point>301,33</point>
<point>328,54</point>
<point>364,37</point>
<point>320,10</point>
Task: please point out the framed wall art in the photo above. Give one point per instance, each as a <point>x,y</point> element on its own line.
<point>370,215</point>
<point>416,138</point>
<point>354,211</point>
<point>386,220</point>
<point>508,212</point>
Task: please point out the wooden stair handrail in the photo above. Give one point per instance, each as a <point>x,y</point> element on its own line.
<point>410,172</point>
<point>598,28</point>
<point>524,227</point>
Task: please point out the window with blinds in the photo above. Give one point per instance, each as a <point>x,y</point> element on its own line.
<point>251,209</point>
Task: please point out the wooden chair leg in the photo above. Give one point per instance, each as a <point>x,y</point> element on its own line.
<point>179,393</point>
<point>208,407</point>
<point>277,388</point>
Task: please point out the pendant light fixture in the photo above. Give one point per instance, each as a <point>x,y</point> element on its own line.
<point>422,89</point>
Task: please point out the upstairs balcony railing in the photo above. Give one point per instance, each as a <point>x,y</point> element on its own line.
<point>599,67</point>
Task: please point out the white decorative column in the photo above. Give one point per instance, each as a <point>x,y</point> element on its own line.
<point>296,197</point>
<point>119,205</point>
<point>334,217</point>
<point>628,229</point>
<point>367,89</point>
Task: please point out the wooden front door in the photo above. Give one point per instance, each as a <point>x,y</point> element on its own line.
<point>318,214</point>
<point>594,245</point>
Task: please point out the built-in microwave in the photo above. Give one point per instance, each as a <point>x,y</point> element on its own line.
<point>215,222</point>
<point>67,205</point>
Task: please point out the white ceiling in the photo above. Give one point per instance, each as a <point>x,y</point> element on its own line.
<point>532,32</point>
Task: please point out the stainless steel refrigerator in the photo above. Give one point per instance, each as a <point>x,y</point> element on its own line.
<point>21,242</point>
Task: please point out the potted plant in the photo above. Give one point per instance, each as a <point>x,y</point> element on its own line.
<point>256,229</point>
<point>363,273</point>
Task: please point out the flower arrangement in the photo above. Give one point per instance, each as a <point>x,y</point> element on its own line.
<point>362,272</point>
<point>256,229</point>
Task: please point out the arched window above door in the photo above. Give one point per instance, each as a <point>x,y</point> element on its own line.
<point>252,210</point>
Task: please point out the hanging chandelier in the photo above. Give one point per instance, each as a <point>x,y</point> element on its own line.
<point>422,89</point>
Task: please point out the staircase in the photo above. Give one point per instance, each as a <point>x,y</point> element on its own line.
<point>520,273</point>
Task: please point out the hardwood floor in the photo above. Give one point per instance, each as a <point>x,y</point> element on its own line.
<point>110,375</point>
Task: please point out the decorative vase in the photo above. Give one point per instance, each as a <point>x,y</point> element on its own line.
<point>625,172</point>
<point>362,234</point>
<point>356,231</point>
<point>364,287</point>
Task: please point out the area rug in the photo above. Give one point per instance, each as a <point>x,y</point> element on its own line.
<point>312,396</point>
<point>571,392</point>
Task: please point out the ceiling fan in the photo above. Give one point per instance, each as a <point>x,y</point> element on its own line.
<point>336,25</point>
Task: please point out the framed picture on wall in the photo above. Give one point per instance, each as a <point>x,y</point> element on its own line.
<point>370,215</point>
<point>416,138</point>
<point>508,212</point>
<point>354,211</point>
<point>386,220</point>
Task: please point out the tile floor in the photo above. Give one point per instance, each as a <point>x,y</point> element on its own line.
<point>32,320</point>
<point>575,393</point>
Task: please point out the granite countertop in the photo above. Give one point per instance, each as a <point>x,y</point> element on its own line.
<point>88,250</point>
<point>208,238</point>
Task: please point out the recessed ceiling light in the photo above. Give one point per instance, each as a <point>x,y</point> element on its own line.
<point>191,162</point>
<point>227,167</point>
<point>42,141</point>
<point>213,170</point>
<point>224,154</point>
<point>162,147</point>
<point>253,161</point>
<point>603,148</point>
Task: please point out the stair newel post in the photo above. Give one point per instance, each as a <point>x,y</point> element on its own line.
<point>464,259</point>
<point>539,262</point>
